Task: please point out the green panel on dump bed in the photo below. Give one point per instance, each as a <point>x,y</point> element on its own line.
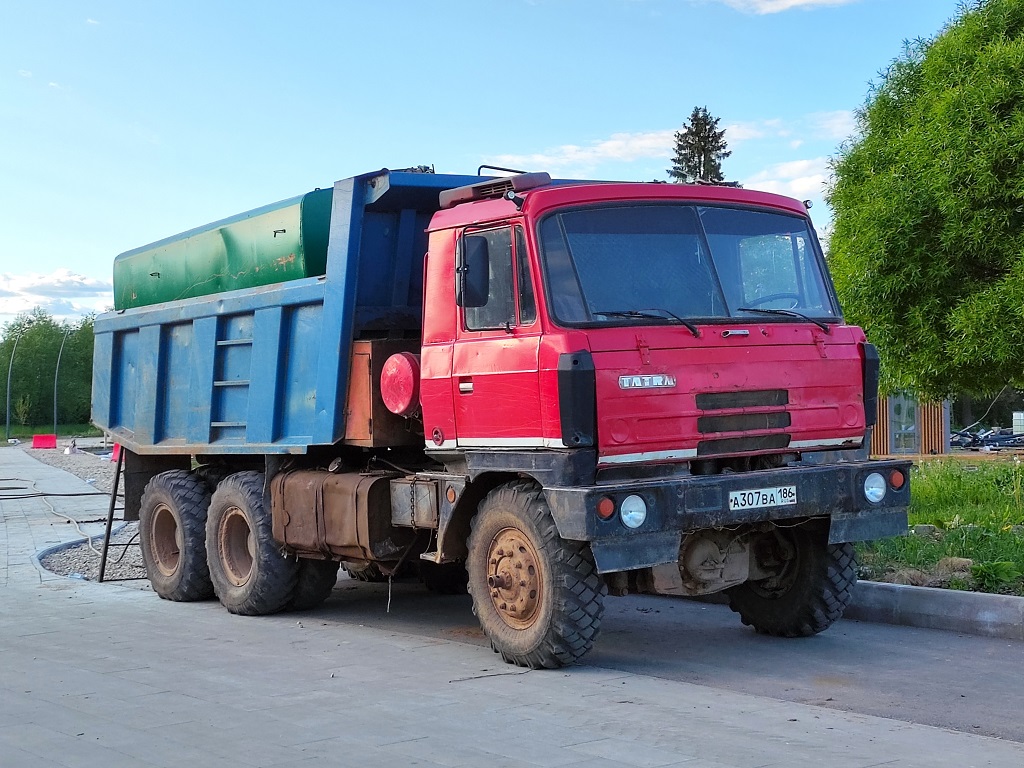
<point>272,244</point>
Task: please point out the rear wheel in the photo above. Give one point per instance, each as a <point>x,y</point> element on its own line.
<point>538,597</point>
<point>812,585</point>
<point>444,578</point>
<point>315,583</point>
<point>250,575</point>
<point>172,527</point>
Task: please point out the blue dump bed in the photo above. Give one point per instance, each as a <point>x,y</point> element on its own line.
<point>265,370</point>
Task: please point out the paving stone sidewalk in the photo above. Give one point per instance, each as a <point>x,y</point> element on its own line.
<point>102,675</point>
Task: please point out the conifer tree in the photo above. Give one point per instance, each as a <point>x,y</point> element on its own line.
<point>700,149</point>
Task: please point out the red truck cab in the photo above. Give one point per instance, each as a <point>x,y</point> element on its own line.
<point>668,369</point>
<point>705,315</point>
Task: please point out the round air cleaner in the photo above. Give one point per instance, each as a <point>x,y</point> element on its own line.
<point>400,383</point>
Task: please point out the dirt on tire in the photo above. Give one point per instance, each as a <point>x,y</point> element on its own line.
<point>562,601</point>
<point>172,525</point>
<point>250,575</point>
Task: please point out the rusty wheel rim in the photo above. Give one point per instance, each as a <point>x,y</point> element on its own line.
<point>514,578</point>
<point>237,546</point>
<point>165,540</point>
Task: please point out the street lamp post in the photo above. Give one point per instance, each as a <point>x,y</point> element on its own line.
<point>10,367</point>
<point>56,372</point>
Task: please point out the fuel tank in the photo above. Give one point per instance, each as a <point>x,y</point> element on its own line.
<point>278,242</point>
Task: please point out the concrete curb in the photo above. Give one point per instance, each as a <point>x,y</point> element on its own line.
<point>972,613</point>
<point>37,558</point>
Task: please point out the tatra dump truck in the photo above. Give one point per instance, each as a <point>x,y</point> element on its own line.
<point>540,391</point>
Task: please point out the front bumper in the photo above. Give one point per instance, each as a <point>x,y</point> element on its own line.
<point>695,502</point>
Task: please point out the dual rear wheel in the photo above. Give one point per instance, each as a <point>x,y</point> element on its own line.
<point>197,545</point>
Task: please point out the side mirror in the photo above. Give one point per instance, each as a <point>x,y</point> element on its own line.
<point>473,284</point>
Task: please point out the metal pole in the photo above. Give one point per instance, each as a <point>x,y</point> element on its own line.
<point>55,373</point>
<point>10,367</point>
<point>110,514</point>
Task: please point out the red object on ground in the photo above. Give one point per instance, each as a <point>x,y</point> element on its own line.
<point>44,441</point>
<point>400,383</point>
<point>116,452</point>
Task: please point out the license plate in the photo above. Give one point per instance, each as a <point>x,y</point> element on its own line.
<point>754,498</point>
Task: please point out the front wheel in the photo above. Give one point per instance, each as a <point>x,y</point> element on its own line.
<point>249,573</point>
<point>538,597</point>
<point>811,587</point>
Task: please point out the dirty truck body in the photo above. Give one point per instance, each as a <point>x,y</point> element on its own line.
<point>540,391</point>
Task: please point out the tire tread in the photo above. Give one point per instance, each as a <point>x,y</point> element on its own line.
<point>579,590</point>
<point>829,589</point>
<point>191,498</point>
<point>272,584</point>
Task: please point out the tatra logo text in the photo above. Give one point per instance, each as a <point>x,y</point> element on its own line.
<point>654,381</point>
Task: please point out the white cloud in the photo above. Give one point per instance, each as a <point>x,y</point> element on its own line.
<point>24,73</point>
<point>757,129</point>
<point>60,282</point>
<point>817,126</point>
<point>798,178</point>
<point>763,7</point>
<point>619,147</point>
<point>833,125</point>
<point>54,84</point>
<point>657,144</point>
<point>62,293</point>
<point>745,131</point>
<point>91,21</point>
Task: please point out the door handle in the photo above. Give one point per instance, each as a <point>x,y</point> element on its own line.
<point>465,385</point>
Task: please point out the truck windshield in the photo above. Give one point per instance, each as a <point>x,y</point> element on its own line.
<point>645,263</point>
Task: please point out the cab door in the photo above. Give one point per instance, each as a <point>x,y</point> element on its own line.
<point>495,379</point>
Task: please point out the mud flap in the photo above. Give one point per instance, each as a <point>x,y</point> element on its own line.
<point>639,550</point>
<point>867,525</point>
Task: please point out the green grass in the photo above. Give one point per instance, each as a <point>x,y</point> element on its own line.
<point>24,433</point>
<point>975,508</point>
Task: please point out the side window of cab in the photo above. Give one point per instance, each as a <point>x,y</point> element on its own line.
<point>490,275</point>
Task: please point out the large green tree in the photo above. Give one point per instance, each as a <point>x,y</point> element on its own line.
<point>927,250</point>
<point>39,338</point>
<point>699,150</point>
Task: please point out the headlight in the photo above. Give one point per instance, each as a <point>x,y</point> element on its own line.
<point>874,487</point>
<point>633,511</point>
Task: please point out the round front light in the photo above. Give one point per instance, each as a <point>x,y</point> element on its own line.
<point>633,511</point>
<point>874,487</point>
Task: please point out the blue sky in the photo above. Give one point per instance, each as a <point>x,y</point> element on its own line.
<point>124,122</point>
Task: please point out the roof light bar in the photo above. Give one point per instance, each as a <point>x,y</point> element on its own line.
<point>493,188</point>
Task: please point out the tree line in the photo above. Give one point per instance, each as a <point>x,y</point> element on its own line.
<point>39,339</point>
<point>926,248</point>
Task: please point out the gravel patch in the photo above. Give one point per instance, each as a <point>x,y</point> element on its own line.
<point>124,557</point>
<point>82,561</point>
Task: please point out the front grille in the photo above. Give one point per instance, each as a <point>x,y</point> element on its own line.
<point>731,445</point>
<point>744,422</point>
<point>760,398</point>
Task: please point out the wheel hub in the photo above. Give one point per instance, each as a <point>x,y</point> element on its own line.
<point>165,540</point>
<point>780,558</point>
<point>514,579</point>
<point>237,547</point>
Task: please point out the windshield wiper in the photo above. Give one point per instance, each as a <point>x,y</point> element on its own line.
<point>787,313</point>
<point>651,314</point>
